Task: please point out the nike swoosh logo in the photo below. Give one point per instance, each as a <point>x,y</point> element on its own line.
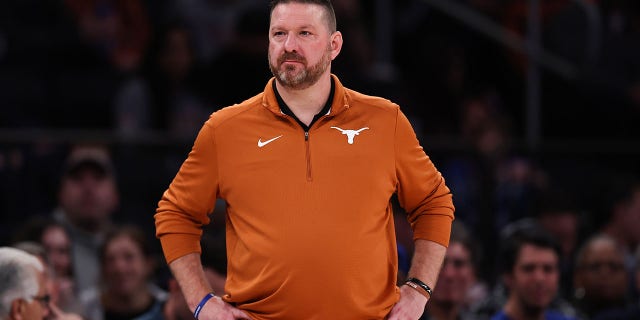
<point>262,144</point>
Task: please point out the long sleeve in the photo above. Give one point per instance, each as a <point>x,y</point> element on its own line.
<point>422,191</point>
<point>191,196</point>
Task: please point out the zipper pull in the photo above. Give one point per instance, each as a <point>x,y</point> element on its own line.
<point>306,136</point>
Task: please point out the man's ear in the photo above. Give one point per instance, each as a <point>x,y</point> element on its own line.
<point>336,44</point>
<point>17,308</point>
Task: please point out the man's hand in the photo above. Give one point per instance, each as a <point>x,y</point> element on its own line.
<point>217,309</point>
<point>410,306</point>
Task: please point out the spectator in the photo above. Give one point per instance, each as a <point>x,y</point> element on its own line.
<point>117,29</point>
<point>55,313</point>
<point>126,290</point>
<point>600,278</point>
<point>623,210</point>
<point>558,213</point>
<point>164,96</point>
<point>23,291</point>
<point>456,279</point>
<point>56,243</point>
<point>88,197</point>
<point>531,260</point>
<point>633,310</point>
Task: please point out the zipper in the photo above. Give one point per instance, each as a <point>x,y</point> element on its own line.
<point>308,151</point>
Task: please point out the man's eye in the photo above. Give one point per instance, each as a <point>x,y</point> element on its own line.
<point>305,33</point>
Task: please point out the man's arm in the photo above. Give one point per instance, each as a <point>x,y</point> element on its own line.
<point>190,275</point>
<point>425,266</point>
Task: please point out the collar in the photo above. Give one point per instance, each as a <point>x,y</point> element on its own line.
<point>284,108</point>
<point>338,99</point>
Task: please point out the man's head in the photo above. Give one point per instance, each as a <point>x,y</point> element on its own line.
<point>88,193</point>
<point>127,261</point>
<point>531,263</point>
<point>600,275</point>
<point>458,271</point>
<point>303,41</point>
<point>23,292</point>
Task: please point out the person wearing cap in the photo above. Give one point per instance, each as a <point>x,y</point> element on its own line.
<point>87,198</point>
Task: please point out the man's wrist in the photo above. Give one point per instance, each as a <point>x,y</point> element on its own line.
<point>205,299</point>
<point>419,286</point>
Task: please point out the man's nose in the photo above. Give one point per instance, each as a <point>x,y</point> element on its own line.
<point>291,43</point>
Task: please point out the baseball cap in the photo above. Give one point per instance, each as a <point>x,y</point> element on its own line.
<point>92,158</point>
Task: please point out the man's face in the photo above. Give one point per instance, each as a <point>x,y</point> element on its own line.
<point>456,276</point>
<point>602,272</point>
<point>301,45</point>
<point>38,307</point>
<point>88,197</point>
<point>534,278</point>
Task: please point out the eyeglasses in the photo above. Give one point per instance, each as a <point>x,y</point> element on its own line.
<point>43,299</point>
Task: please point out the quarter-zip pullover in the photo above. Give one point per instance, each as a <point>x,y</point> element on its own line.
<point>310,231</point>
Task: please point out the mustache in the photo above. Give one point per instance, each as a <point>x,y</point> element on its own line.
<point>291,56</point>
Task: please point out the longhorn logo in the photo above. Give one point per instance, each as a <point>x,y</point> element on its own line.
<point>350,133</point>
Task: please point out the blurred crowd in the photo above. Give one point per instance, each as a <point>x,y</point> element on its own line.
<point>85,204</point>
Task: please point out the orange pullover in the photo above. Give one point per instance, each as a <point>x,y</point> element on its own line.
<point>310,231</point>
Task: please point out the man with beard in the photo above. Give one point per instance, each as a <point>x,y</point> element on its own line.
<point>307,169</point>
<point>531,259</point>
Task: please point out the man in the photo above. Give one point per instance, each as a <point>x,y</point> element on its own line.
<point>87,198</point>
<point>531,259</point>
<point>631,310</point>
<point>622,209</point>
<point>600,277</point>
<point>307,169</point>
<point>23,290</point>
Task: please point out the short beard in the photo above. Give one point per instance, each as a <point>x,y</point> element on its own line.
<point>305,78</point>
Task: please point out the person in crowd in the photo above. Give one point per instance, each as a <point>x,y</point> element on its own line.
<point>118,30</point>
<point>622,207</point>
<point>456,279</point>
<point>600,277</point>
<point>55,240</point>
<point>126,290</point>
<point>531,261</point>
<point>558,213</point>
<point>307,169</point>
<point>23,290</point>
<point>165,94</point>
<point>55,310</point>
<point>87,198</point>
<point>632,311</point>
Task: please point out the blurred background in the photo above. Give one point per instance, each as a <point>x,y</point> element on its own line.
<point>513,100</point>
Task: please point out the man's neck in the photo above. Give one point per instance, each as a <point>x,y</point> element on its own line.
<point>306,103</point>
<point>515,310</point>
